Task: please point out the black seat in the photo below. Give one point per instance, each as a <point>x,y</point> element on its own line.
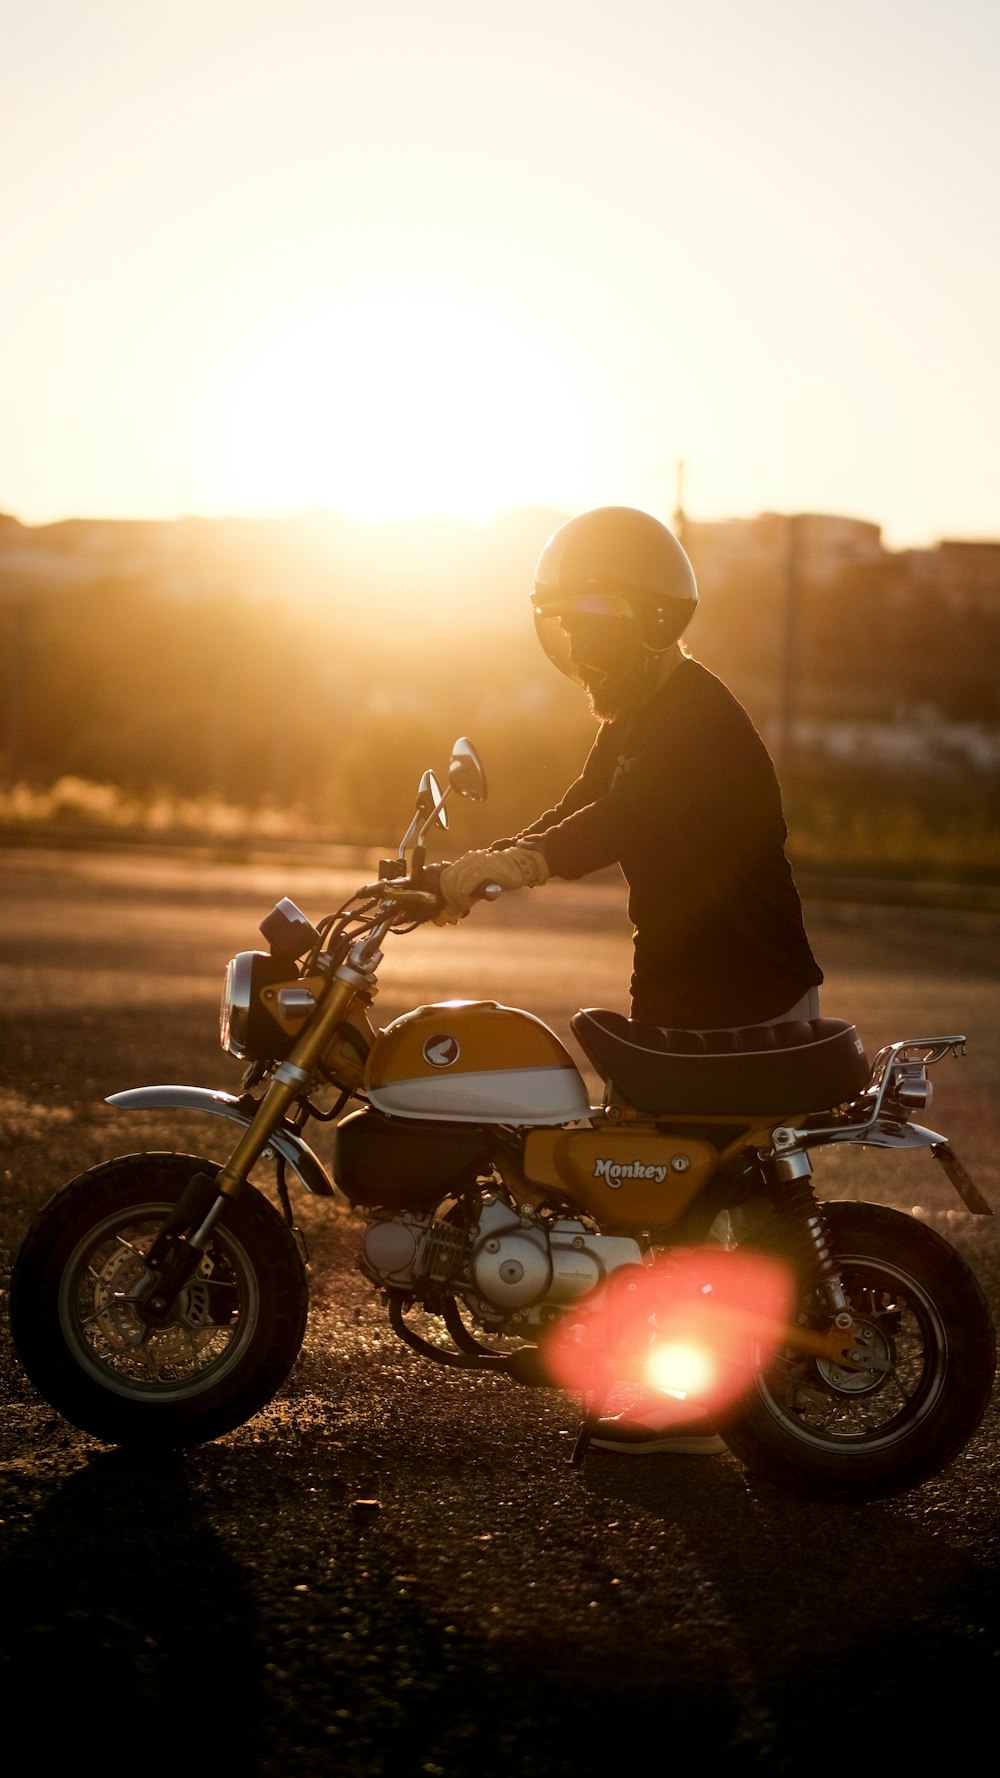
<point>749,1071</point>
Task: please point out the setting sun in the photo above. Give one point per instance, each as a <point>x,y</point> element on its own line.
<point>402,262</point>
<point>389,402</point>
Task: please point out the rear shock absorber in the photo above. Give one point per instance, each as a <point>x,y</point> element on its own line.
<point>788,1170</point>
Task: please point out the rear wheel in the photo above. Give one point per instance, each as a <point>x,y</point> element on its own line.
<point>817,1427</point>
<point>233,1334</point>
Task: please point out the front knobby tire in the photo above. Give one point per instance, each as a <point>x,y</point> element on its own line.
<point>233,1335</point>
<point>818,1429</point>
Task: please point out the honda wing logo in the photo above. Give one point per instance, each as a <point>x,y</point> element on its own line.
<point>441,1051</point>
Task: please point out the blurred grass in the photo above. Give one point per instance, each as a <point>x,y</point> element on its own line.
<point>864,840</point>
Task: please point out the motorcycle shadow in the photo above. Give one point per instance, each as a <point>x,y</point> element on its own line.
<point>145,1591</point>
<point>125,1611</point>
<point>835,1608</point>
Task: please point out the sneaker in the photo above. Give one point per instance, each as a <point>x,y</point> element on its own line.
<point>688,1438</point>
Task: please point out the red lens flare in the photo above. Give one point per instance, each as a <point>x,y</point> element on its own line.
<point>694,1325</point>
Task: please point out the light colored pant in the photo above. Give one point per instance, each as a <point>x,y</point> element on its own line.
<point>732,1226</point>
<point>806,1008</point>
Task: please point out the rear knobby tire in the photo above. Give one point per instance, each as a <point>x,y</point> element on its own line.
<point>815,1428</point>
<point>233,1336</point>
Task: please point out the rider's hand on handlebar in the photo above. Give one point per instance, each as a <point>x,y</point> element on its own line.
<point>516,867</point>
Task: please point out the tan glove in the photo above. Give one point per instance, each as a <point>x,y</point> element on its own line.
<point>517,867</point>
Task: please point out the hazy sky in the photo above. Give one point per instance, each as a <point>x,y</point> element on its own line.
<point>392,258</point>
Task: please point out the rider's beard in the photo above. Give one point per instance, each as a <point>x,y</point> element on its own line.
<point>610,694</point>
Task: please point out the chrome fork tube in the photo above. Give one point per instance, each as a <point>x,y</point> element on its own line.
<point>175,1258</point>
<point>291,1078</point>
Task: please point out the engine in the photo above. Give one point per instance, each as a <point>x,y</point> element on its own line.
<point>515,1269</point>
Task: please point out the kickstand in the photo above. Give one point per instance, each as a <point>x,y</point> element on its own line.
<point>593,1404</point>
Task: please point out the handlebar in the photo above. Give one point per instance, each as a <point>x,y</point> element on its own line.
<point>423,902</point>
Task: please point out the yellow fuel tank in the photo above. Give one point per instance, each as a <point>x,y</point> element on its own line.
<point>474,1061</point>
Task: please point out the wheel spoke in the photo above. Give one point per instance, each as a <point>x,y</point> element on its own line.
<point>833,1404</point>
<point>130,1246</point>
<point>894,1377</point>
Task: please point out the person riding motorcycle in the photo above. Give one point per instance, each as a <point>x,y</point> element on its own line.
<point>680,791</point>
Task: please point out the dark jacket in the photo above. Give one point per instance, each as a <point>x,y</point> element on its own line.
<point>682,794</point>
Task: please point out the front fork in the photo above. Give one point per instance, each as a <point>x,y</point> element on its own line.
<point>175,1255</point>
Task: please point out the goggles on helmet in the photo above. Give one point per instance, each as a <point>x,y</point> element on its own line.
<point>586,629</point>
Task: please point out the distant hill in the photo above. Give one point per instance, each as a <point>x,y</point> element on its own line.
<point>441,568</point>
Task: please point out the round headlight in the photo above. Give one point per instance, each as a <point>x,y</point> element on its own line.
<point>234,1008</point>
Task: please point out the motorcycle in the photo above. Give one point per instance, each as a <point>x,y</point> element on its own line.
<point>669,1237</point>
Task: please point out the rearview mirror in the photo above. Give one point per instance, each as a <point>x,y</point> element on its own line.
<point>430,802</point>
<point>465,771</point>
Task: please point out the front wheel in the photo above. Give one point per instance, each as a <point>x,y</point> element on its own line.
<point>234,1331</point>
<point>812,1426</point>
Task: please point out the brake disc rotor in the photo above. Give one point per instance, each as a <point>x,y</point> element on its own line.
<point>116,1284</point>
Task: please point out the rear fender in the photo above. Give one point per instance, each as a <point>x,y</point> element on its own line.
<point>285,1141</point>
<point>914,1136</point>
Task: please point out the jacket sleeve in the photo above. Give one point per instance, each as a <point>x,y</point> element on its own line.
<point>637,802</point>
<point>581,793</point>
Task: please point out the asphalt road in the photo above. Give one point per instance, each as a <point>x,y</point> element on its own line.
<point>395,1569</point>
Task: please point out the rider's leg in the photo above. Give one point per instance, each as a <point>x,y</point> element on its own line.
<point>659,1424</point>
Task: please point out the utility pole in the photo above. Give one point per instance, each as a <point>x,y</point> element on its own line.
<point>679,516</point>
<point>789,651</point>
<point>10,756</point>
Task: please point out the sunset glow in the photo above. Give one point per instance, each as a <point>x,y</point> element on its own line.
<point>395,261</point>
<point>390,402</point>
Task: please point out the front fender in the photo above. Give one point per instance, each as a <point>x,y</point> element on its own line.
<point>286,1142</point>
